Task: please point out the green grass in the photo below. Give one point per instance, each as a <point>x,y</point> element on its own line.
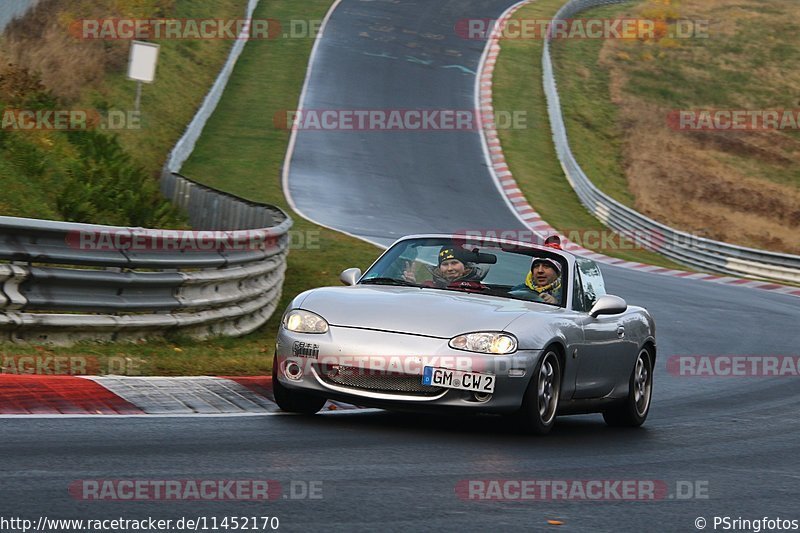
<point>186,69</point>
<point>20,198</point>
<point>530,152</point>
<point>595,134</point>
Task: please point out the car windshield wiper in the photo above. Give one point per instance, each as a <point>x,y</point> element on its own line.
<point>388,281</point>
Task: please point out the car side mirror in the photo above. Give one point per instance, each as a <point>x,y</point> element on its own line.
<point>608,305</point>
<point>350,276</point>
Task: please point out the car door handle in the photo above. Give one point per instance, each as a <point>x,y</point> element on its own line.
<point>620,331</point>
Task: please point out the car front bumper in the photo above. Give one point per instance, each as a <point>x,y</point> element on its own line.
<point>384,369</point>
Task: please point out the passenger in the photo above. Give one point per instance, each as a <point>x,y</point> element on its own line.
<point>543,282</point>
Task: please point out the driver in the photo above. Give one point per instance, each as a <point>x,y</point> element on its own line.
<point>453,266</point>
<point>543,282</point>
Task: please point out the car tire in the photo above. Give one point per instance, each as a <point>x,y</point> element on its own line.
<point>633,411</point>
<point>540,403</point>
<point>293,401</point>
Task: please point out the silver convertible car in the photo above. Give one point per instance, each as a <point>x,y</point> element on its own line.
<point>472,324</point>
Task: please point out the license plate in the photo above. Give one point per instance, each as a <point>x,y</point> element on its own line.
<point>458,379</point>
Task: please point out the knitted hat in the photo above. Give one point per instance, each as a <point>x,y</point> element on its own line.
<point>549,262</point>
<point>451,252</point>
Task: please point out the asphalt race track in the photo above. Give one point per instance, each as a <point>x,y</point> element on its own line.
<point>383,185</point>
<point>734,437</point>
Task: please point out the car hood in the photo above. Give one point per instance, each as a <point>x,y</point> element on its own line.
<point>430,312</point>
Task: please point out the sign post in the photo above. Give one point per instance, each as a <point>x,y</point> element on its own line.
<point>142,66</point>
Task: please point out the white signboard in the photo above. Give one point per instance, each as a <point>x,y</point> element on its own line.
<point>142,62</point>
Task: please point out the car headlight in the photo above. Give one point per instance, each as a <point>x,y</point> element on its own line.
<point>302,321</point>
<point>485,342</point>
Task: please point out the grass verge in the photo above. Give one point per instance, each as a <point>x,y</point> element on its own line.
<point>47,65</point>
<point>621,100</point>
<point>530,152</point>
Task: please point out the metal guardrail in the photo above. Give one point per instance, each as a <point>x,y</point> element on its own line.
<point>699,252</point>
<point>66,282</point>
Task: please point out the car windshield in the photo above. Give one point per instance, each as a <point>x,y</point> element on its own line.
<point>475,266</point>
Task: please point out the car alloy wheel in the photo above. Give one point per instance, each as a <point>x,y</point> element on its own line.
<point>547,390</point>
<point>642,385</point>
<point>633,411</point>
<point>540,404</point>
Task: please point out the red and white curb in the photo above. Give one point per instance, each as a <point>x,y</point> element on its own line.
<point>527,214</point>
<point>117,395</point>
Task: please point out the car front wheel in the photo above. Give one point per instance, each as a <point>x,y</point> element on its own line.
<point>293,401</point>
<point>540,404</point>
<point>633,412</point>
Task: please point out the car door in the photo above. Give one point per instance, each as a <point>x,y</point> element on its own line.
<point>602,355</point>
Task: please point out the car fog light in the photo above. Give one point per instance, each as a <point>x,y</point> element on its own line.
<point>293,371</point>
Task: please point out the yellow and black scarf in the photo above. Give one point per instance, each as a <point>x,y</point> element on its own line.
<point>547,288</point>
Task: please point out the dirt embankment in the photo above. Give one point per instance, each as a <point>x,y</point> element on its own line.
<point>741,187</point>
<point>47,41</point>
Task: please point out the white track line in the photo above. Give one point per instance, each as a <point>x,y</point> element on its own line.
<point>287,162</point>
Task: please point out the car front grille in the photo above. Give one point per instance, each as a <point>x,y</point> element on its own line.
<point>371,380</point>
